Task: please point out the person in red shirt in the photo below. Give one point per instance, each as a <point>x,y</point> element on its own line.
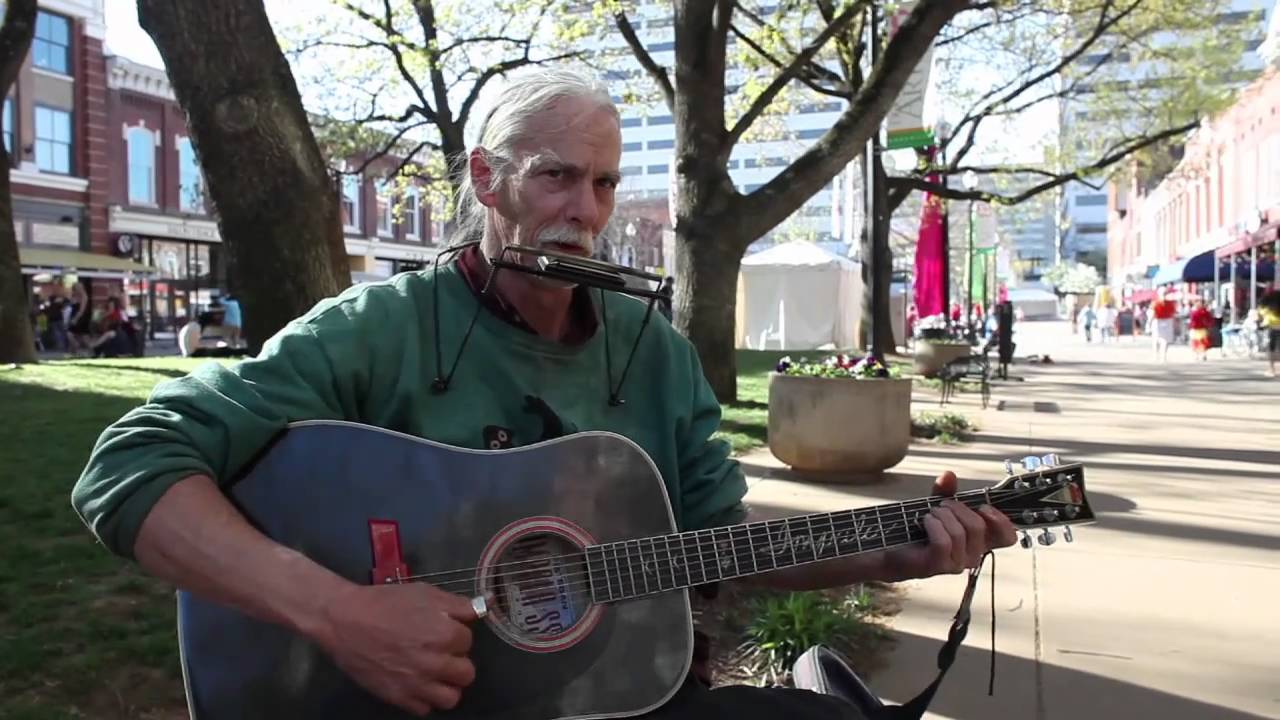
<point>1162,328</point>
<point>1200,323</point>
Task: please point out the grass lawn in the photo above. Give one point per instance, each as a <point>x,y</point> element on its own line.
<point>82,633</point>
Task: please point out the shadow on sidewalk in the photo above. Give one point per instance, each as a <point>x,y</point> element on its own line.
<point>1081,448</point>
<point>1071,693</point>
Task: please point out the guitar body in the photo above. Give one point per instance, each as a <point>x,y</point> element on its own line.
<point>544,652</point>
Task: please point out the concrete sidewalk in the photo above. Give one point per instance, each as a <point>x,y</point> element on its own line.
<point>1167,607</point>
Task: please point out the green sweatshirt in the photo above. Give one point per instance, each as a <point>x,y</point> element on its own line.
<point>368,356</point>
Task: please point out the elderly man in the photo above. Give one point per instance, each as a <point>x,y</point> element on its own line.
<point>530,363</point>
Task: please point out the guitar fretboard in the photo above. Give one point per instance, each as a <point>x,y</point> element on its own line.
<point>645,566</point>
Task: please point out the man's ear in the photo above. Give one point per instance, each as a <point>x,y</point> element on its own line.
<point>482,176</point>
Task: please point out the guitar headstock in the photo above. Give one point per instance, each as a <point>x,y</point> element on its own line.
<point>1040,492</point>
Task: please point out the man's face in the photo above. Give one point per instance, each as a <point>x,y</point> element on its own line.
<point>562,193</point>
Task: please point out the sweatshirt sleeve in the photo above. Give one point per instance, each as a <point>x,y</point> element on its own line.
<point>711,484</point>
<point>217,418</point>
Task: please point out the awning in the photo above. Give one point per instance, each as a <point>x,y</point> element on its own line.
<point>35,260</point>
<point>1266,235</point>
<point>1200,269</point>
<point>1141,296</point>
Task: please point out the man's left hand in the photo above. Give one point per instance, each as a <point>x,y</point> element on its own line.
<point>958,537</point>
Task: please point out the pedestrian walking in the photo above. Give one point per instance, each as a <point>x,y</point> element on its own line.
<point>1162,314</point>
<point>1200,324</point>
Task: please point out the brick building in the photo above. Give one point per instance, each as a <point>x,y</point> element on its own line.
<point>1222,198</point>
<point>55,129</point>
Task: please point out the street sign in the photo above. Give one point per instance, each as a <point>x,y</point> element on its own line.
<point>909,138</point>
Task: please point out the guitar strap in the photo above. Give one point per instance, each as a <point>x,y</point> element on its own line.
<point>914,709</point>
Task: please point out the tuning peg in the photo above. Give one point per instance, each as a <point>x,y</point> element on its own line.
<point>1025,540</point>
<point>1008,467</point>
<point>1066,533</point>
<point>1028,517</point>
<point>1049,515</point>
<point>1044,481</point>
<point>1030,462</point>
<point>1071,511</point>
<point>1050,460</point>
<point>1047,538</point>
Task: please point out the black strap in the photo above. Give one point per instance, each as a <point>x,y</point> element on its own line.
<point>914,709</point>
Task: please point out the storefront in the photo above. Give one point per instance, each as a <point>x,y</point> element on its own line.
<point>189,261</point>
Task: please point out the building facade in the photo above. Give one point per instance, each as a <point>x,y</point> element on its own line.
<point>1083,211</point>
<point>159,214</point>
<point>55,128</point>
<point>1224,191</point>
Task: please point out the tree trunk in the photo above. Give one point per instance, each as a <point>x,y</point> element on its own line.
<point>705,306</point>
<point>877,267</point>
<point>277,206</point>
<point>16,342</point>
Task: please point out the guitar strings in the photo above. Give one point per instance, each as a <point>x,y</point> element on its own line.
<point>898,539</point>
<point>582,556</point>
<point>928,503</point>
<point>683,546</point>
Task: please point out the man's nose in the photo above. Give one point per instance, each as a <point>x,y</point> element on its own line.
<point>583,208</point>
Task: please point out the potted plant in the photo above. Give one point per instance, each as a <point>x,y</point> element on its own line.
<point>935,346</point>
<point>842,414</point>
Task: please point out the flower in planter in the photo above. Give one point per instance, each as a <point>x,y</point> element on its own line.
<point>838,366</point>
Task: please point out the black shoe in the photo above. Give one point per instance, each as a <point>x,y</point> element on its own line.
<point>822,671</point>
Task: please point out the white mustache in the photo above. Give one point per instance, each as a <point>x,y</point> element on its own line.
<point>567,236</point>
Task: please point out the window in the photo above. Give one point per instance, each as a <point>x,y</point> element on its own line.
<point>660,120</point>
<point>631,170</point>
<point>733,164</point>
<point>142,165</point>
<point>8,125</point>
<point>631,122</point>
<point>657,169</point>
<point>190,179</point>
<point>1091,200</point>
<point>632,146</point>
<point>351,202</point>
<point>53,140</point>
<point>661,46</point>
<point>383,189</point>
<point>1088,228</point>
<point>661,144</point>
<point>413,213</point>
<point>51,47</point>
<point>810,134</point>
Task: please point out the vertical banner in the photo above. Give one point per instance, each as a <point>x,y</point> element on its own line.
<point>904,124</point>
<point>930,265</point>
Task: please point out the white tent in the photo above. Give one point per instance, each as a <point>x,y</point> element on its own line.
<point>1035,303</point>
<point>798,296</point>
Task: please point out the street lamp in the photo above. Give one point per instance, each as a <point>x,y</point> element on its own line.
<point>970,182</point>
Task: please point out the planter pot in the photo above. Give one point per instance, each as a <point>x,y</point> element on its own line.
<point>836,425</point>
<point>931,356</point>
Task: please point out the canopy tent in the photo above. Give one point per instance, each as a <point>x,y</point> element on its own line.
<point>798,296</point>
<point>1034,302</point>
<point>1200,268</point>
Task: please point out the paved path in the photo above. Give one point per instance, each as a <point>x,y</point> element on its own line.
<point>1169,606</point>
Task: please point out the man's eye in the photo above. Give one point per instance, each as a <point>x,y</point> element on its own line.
<point>609,183</point>
<point>555,173</point>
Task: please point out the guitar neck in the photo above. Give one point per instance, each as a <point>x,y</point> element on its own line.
<point>645,566</point>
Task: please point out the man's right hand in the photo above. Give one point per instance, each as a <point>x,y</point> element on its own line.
<point>406,644</point>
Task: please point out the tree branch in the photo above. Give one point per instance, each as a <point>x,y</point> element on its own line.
<point>656,71</point>
<point>427,18</point>
<point>502,68</point>
<point>806,78</point>
<point>388,146</point>
<point>763,100</point>
<point>847,138</point>
<point>1124,150</point>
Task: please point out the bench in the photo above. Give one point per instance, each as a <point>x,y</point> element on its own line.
<point>970,367</point>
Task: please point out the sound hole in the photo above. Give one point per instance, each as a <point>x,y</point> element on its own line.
<point>541,589</point>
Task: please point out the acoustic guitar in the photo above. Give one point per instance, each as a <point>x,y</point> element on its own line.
<point>571,544</point>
